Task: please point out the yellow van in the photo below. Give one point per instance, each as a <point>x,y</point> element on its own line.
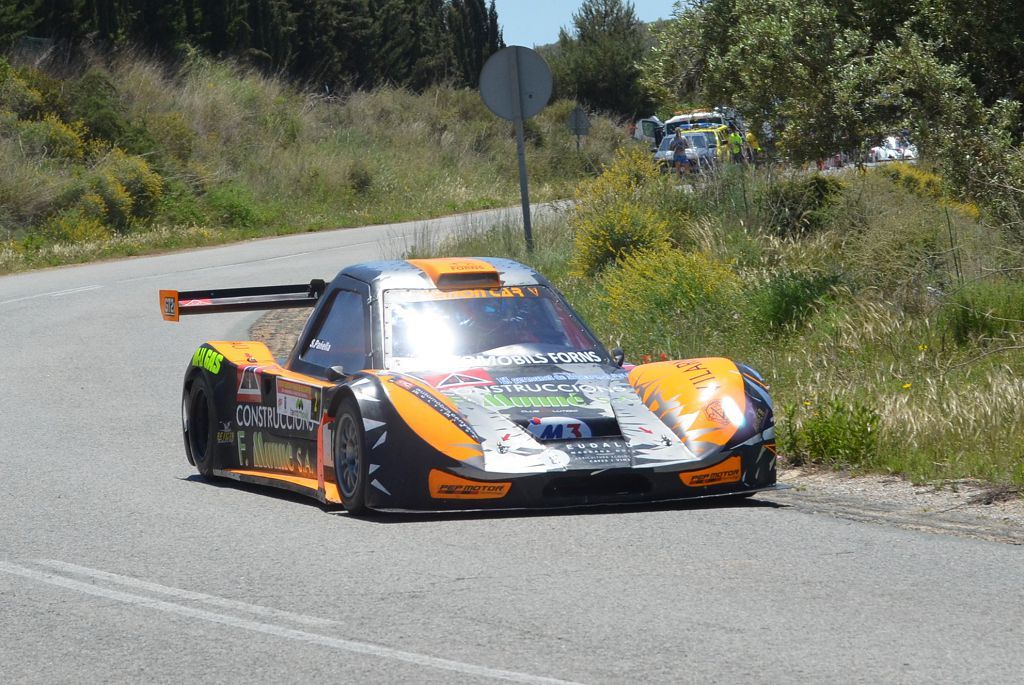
<point>719,135</point>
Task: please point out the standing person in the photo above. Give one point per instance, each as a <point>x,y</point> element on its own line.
<point>753,147</point>
<point>678,148</point>
<point>736,146</point>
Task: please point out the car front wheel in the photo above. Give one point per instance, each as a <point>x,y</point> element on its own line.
<point>199,424</point>
<point>350,464</point>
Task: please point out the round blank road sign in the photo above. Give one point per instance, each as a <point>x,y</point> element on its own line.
<point>511,69</point>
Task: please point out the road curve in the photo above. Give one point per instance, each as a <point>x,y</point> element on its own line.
<point>117,564</point>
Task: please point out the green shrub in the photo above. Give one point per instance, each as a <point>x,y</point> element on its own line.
<point>16,95</point>
<point>359,176</point>
<point>984,310</point>
<point>95,101</point>
<point>840,434</point>
<point>172,133</point>
<point>797,206</point>
<point>234,205</point>
<point>662,300</point>
<point>179,206</point>
<point>788,299</point>
<point>75,226</point>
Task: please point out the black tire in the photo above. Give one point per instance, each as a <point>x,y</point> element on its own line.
<point>199,424</point>
<point>351,466</point>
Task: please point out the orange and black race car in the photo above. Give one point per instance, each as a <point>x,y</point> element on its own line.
<point>441,384</point>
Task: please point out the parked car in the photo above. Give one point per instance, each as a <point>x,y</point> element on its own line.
<point>700,153</point>
<point>663,155</point>
<point>893,148</point>
<point>649,129</point>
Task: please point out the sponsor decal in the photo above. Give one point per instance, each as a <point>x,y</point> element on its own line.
<point>561,377</point>
<point>760,412</point>
<point>593,450</point>
<point>253,416</point>
<point>248,388</point>
<point>446,486</point>
<point>298,400</point>
<point>437,405</point>
<point>559,388</point>
<point>558,428</point>
<point>503,401</point>
<point>170,306</point>
<point>263,453</point>
<point>475,293</point>
<point>225,436</point>
<point>699,375</point>
<point>322,345</point>
<point>207,358</point>
<point>713,410</point>
<point>585,357</point>
<point>459,379</point>
<point>728,471</point>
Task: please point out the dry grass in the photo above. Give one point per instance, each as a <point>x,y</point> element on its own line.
<point>242,154</point>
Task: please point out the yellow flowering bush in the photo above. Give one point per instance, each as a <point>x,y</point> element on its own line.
<point>51,137</point>
<point>612,220</point>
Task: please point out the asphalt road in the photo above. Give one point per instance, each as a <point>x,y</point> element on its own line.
<point>117,564</point>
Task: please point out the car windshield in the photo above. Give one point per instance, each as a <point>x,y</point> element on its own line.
<point>665,142</point>
<point>696,140</point>
<point>425,329</point>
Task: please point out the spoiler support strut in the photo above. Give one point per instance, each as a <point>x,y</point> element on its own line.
<point>174,304</point>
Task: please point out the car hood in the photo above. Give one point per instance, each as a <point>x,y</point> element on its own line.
<point>559,417</point>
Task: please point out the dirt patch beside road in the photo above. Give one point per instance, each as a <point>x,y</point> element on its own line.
<point>963,508</point>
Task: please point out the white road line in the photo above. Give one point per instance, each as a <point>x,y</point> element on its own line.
<point>221,602</point>
<point>72,291</point>
<point>56,293</point>
<point>277,630</point>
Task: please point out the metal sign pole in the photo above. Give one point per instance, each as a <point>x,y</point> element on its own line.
<point>517,120</point>
<point>515,84</point>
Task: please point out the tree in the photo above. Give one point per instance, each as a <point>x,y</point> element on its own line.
<point>335,43</point>
<point>475,37</point>
<point>826,74</point>
<point>413,48</point>
<point>598,64</point>
<point>16,21</point>
<point>157,24</point>
<point>987,40</point>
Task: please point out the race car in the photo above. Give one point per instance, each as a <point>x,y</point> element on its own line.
<point>462,383</point>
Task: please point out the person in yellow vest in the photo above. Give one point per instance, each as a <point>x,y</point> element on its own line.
<point>736,146</point>
<point>753,148</point>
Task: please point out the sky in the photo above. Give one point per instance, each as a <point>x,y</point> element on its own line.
<point>536,22</point>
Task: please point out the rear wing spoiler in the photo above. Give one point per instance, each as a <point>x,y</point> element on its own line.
<point>174,304</point>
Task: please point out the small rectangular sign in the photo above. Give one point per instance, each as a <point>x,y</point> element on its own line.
<point>298,400</point>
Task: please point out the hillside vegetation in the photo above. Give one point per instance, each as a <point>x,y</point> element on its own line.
<point>888,319</point>
<point>126,157</point>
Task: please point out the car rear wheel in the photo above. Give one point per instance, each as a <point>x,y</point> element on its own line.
<point>350,464</point>
<point>199,424</point>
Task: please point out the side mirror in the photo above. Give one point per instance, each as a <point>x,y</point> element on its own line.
<point>336,373</point>
<point>618,356</point>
